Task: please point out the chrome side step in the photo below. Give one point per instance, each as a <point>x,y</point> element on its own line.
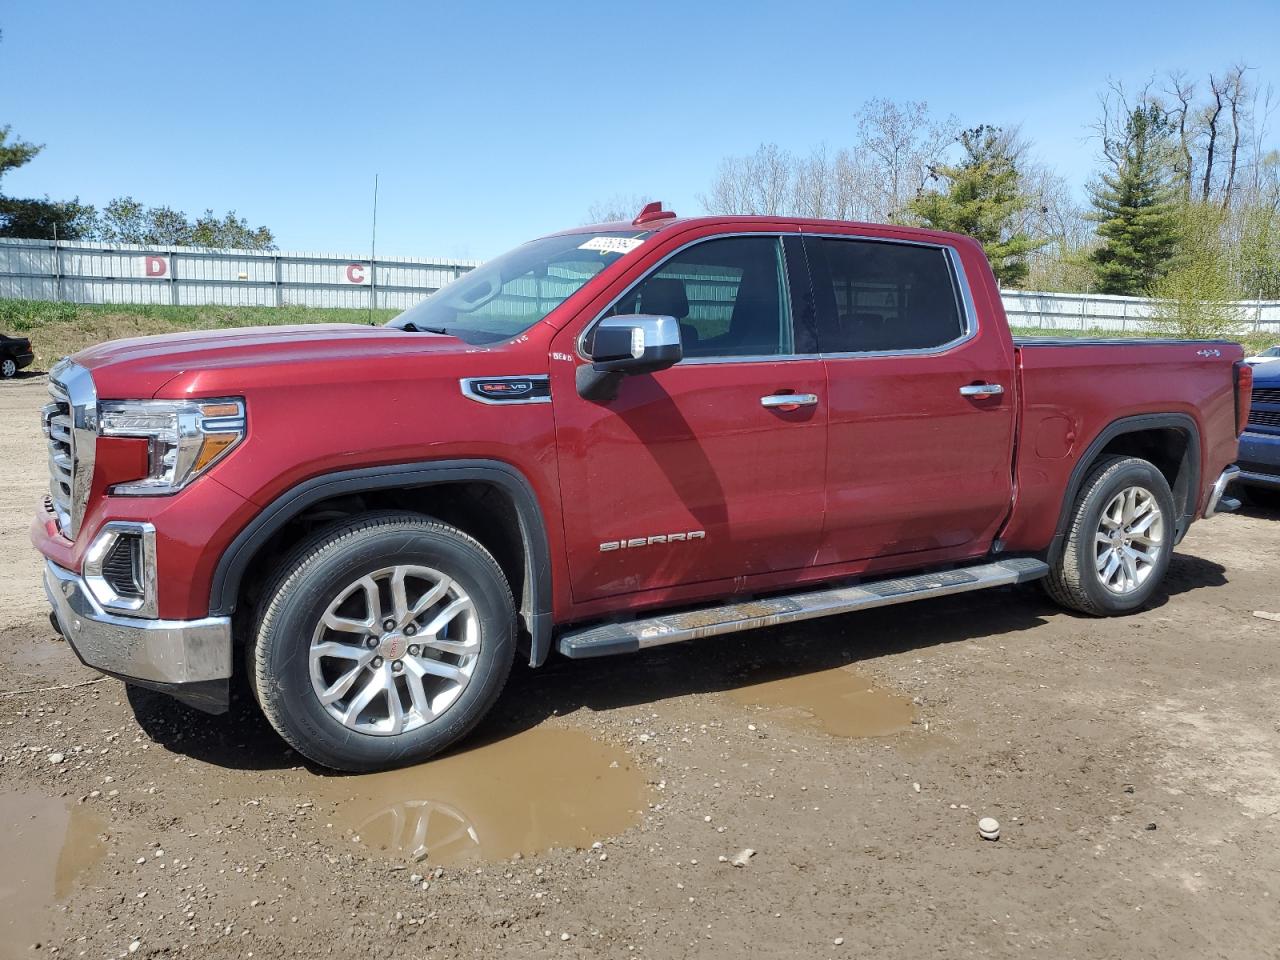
<point>605,639</point>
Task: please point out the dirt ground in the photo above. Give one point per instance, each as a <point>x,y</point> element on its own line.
<point>1133,764</point>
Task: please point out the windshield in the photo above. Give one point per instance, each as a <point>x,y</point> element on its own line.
<point>506,296</point>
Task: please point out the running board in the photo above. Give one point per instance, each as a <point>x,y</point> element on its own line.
<point>605,639</point>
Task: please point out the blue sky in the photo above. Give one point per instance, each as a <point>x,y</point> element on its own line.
<point>490,123</point>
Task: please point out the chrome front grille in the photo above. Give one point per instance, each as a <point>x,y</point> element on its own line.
<point>70,421</point>
<point>57,431</point>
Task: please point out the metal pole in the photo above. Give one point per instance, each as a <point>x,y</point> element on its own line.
<point>57,267</point>
<point>373,253</point>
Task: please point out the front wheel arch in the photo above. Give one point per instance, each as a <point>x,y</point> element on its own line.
<point>395,483</point>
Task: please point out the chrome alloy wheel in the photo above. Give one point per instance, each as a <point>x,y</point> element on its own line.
<point>394,650</point>
<point>1129,540</point>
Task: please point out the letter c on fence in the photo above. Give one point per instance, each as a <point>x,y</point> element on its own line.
<point>355,273</point>
<point>157,266</point>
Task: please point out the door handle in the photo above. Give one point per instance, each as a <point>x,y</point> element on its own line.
<point>982,390</point>
<point>788,401</point>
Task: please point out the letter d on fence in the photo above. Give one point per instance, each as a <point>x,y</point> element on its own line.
<point>156,266</point>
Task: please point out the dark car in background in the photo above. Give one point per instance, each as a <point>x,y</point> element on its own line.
<point>1260,443</point>
<point>15,353</point>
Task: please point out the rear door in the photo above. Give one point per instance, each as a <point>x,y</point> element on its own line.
<point>921,420</point>
<point>695,474</point>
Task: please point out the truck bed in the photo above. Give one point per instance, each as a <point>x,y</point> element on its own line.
<point>1072,390</point>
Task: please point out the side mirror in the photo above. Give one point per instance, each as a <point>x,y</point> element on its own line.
<point>636,343</point>
<point>627,344</point>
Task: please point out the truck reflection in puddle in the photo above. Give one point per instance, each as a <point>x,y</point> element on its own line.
<point>540,789</point>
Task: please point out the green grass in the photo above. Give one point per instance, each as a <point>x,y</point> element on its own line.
<point>60,329</point>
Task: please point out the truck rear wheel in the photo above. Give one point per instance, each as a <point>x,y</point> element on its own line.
<point>1119,540</point>
<point>382,641</point>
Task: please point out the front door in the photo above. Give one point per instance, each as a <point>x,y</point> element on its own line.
<point>698,474</point>
<point>921,399</point>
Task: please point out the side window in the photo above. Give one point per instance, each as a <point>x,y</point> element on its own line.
<point>729,296</point>
<point>884,296</point>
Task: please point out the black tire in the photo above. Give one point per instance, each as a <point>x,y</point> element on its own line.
<point>296,599</point>
<point>8,368</point>
<point>1074,581</point>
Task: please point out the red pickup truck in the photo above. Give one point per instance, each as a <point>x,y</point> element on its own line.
<point>614,437</point>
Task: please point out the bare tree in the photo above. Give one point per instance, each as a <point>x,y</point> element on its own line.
<point>906,142</point>
<point>1184,91</point>
<point>1115,106</point>
<point>620,206</point>
<point>1211,114</point>
<point>760,184</point>
<point>1236,93</point>
<point>814,188</point>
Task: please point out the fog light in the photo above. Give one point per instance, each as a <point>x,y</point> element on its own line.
<point>119,568</point>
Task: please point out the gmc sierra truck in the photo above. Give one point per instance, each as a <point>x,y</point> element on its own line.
<point>610,438</point>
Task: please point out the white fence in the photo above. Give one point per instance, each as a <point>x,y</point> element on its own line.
<point>130,273</point>
<point>1092,311</point>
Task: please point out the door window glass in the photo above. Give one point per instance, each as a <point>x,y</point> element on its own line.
<point>729,296</point>
<point>886,296</point>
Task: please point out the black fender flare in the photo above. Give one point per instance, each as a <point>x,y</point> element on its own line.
<point>536,604</point>
<point>1189,468</point>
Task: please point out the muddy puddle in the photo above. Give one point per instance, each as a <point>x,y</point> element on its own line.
<point>45,846</point>
<point>531,792</point>
<point>839,702</point>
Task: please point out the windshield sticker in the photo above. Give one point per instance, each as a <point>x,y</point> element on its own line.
<point>611,244</point>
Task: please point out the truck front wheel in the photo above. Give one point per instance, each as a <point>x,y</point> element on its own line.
<point>1119,539</point>
<point>382,641</point>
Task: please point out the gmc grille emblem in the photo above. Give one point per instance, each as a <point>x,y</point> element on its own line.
<point>656,539</point>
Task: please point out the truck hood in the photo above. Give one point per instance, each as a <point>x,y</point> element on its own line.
<point>142,366</point>
<point>1267,373</point>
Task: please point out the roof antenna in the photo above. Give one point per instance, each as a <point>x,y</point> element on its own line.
<point>653,211</point>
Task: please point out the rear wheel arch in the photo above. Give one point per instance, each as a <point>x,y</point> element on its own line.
<point>487,499</point>
<point>1170,441</point>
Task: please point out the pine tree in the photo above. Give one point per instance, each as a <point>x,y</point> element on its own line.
<point>983,198</point>
<point>1136,208</point>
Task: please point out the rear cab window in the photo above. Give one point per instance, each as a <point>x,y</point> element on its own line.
<point>883,296</point>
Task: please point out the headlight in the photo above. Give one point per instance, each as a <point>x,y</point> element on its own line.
<point>187,437</point>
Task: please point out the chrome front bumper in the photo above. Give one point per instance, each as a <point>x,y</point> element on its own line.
<point>1218,501</point>
<point>163,654</point>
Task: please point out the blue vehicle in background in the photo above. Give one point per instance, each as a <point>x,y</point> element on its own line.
<point>1259,460</point>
